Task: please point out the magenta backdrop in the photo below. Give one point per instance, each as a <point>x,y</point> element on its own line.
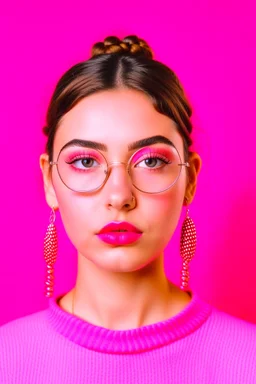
<point>211,47</point>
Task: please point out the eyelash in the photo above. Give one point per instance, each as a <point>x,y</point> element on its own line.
<point>80,157</point>
<point>150,155</point>
<point>157,156</point>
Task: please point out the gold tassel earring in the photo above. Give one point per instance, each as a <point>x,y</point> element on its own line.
<point>50,254</point>
<point>187,249</point>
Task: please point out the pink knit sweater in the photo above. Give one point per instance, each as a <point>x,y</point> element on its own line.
<point>200,345</point>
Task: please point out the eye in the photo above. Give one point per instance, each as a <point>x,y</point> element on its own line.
<point>152,160</point>
<point>83,162</point>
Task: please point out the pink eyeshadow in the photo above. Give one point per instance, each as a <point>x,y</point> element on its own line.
<point>145,151</point>
<point>79,154</point>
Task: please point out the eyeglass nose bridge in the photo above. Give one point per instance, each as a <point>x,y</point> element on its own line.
<point>117,162</point>
<point>109,165</point>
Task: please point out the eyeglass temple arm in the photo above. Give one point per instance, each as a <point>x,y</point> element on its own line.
<point>185,164</point>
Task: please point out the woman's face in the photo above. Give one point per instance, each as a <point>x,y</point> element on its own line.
<point>116,118</point>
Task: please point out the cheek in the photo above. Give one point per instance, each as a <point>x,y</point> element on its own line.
<point>74,217</point>
<point>165,210</point>
<point>76,213</point>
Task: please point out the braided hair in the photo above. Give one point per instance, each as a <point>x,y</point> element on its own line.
<point>131,44</point>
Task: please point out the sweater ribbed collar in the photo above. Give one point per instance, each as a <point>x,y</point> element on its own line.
<point>135,340</point>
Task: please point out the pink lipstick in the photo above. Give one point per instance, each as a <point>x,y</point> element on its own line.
<point>119,233</point>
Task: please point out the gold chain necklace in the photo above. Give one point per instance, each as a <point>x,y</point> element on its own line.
<point>73,302</point>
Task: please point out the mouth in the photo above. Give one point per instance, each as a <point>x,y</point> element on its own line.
<point>120,237</point>
<point>117,227</point>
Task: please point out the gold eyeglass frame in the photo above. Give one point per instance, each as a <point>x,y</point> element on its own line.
<point>107,172</point>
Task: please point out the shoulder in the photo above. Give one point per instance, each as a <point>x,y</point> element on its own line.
<point>224,347</point>
<point>23,331</point>
<point>222,332</point>
<point>22,323</point>
<point>230,342</point>
<point>232,328</point>
<point>23,343</point>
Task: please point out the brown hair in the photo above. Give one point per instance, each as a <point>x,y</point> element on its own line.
<point>120,63</point>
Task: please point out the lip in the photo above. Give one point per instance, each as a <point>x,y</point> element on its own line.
<point>116,226</point>
<point>111,234</point>
<point>119,238</point>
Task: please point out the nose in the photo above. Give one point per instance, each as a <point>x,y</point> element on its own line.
<point>118,187</point>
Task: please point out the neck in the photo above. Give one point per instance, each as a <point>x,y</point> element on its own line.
<point>124,300</point>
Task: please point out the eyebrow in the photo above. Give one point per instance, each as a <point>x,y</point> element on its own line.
<point>132,146</point>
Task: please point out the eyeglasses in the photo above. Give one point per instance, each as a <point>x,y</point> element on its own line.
<point>152,169</point>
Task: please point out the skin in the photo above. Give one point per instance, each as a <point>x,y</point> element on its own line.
<point>120,287</point>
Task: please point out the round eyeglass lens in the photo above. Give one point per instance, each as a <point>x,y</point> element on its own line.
<point>82,169</point>
<point>155,169</point>
<point>152,169</point>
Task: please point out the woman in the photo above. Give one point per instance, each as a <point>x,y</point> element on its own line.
<point>119,170</point>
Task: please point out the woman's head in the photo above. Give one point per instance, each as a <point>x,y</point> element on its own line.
<point>118,97</point>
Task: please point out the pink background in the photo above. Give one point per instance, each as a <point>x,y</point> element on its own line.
<point>211,47</point>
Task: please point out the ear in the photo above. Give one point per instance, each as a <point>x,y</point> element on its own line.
<point>50,195</point>
<point>195,163</point>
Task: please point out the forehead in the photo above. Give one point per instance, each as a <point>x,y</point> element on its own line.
<point>116,118</point>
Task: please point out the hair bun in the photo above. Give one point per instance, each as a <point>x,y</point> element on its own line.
<point>130,44</point>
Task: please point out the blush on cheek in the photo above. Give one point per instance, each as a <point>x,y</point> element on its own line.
<point>168,209</point>
<point>74,228</point>
<point>77,215</point>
